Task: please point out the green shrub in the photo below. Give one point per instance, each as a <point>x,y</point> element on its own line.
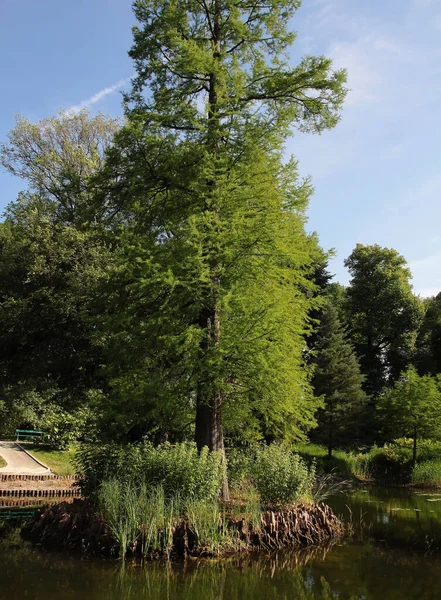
<point>178,468</point>
<point>427,449</point>
<point>61,428</point>
<point>280,476</point>
<point>427,473</point>
<point>389,464</point>
<point>239,465</point>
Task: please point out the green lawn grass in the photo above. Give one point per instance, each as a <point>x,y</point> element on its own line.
<point>60,462</point>
<point>344,464</point>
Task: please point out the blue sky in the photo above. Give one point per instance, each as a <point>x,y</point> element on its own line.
<point>377,176</point>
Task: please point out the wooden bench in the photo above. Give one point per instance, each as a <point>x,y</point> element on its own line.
<point>22,435</point>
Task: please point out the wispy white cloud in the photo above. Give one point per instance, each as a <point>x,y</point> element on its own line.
<point>111,89</point>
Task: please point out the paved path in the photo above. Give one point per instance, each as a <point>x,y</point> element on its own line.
<point>18,461</point>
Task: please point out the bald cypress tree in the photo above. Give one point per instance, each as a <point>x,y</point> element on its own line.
<point>214,214</point>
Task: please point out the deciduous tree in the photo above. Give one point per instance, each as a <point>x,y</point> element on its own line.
<point>57,157</point>
<point>428,343</point>
<point>383,314</point>
<point>221,265</point>
<point>411,408</point>
<point>47,275</point>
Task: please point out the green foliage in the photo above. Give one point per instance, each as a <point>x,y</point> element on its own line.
<point>138,516</point>
<point>215,257</point>
<point>427,449</point>
<point>428,343</point>
<point>62,429</point>
<point>156,336</point>
<point>208,522</point>
<point>280,476</point>
<point>47,276</point>
<point>57,157</point>
<point>271,473</point>
<point>178,469</point>
<point>239,465</point>
<point>145,517</point>
<point>411,408</point>
<point>383,314</point>
<point>244,49</point>
<point>337,378</point>
<point>388,465</point>
<point>427,473</point>
<point>166,280</point>
<point>340,463</point>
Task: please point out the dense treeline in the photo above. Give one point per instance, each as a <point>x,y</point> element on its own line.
<point>156,277</point>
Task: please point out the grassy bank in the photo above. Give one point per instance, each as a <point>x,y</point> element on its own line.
<point>60,462</point>
<point>386,465</point>
<point>344,464</point>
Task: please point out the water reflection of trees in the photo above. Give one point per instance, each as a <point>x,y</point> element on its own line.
<point>400,517</point>
<point>344,572</point>
<point>258,576</point>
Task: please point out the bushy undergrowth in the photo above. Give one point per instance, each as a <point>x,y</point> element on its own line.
<point>280,476</point>
<point>427,473</point>
<point>427,449</point>
<point>178,469</point>
<point>389,464</point>
<point>144,492</point>
<point>277,474</point>
<point>393,463</point>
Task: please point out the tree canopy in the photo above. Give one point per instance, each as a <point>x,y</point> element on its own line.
<point>217,256</point>
<point>383,314</point>
<point>412,408</point>
<point>57,157</point>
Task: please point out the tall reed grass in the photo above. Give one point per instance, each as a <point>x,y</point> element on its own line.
<point>427,473</point>
<point>143,519</point>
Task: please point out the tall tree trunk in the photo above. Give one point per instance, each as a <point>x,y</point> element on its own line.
<point>209,430</point>
<point>330,437</point>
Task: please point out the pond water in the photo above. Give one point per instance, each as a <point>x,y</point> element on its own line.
<point>396,517</point>
<point>387,560</point>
